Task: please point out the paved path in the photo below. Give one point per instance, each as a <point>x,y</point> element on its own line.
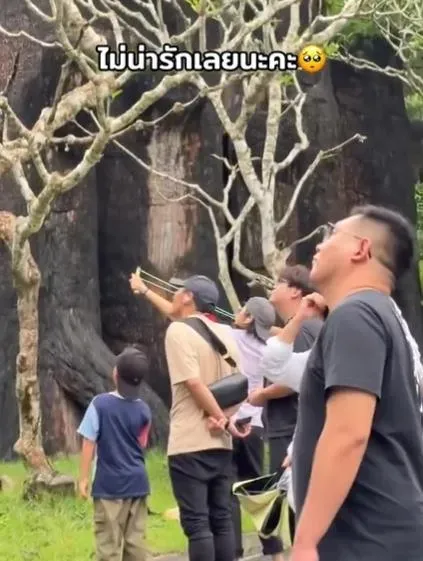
<point>252,548</point>
<point>252,551</point>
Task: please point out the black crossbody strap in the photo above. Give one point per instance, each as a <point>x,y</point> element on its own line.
<point>202,329</point>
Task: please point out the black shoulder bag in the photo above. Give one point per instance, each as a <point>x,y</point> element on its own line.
<point>230,390</point>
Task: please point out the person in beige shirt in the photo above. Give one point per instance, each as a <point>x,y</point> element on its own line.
<point>200,439</point>
<point>193,362</point>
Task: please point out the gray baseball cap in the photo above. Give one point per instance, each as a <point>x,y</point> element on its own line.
<point>205,291</point>
<point>264,315</point>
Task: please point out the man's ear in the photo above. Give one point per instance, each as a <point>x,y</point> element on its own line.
<point>362,252</point>
<point>248,319</point>
<point>187,297</point>
<point>295,293</point>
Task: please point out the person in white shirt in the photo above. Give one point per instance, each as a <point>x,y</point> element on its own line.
<point>251,329</point>
<point>284,367</point>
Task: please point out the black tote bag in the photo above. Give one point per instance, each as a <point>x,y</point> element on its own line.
<point>230,390</point>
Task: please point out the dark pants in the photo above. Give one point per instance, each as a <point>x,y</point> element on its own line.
<point>202,486</point>
<point>248,458</point>
<point>278,448</point>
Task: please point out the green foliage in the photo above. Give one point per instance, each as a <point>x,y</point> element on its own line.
<point>210,5</point>
<point>334,6</point>
<point>360,27</point>
<point>418,196</point>
<point>195,4</point>
<point>331,49</point>
<point>414,106</point>
<point>286,79</point>
<point>116,94</point>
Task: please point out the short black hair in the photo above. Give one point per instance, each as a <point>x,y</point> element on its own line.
<point>132,365</point>
<point>400,247</point>
<point>297,276</point>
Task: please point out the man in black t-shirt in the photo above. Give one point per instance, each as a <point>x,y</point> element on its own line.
<point>358,450</point>
<point>280,403</point>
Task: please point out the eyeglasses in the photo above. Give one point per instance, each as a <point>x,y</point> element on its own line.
<point>330,229</point>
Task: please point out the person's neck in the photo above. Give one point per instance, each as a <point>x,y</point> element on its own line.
<point>335,293</point>
<point>290,310</point>
<point>187,312</point>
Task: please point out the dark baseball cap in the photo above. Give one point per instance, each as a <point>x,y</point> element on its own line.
<point>131,366</point>
<point>264,315</point>
<point>204,290</point>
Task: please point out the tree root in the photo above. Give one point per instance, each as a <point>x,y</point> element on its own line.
<point>40,485</point>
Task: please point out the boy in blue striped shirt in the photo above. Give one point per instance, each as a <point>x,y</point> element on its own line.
<point>116,427</point>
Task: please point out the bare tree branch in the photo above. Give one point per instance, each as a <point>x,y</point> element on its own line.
<point>321,155</point>
<point>22,182</point>
<point>304,143</point>
<point>12,75</point>
<point>21,33</point>
<point>236,261</point>
<point>38,13</point>
<point>351,9</point>
<point>17,123</point>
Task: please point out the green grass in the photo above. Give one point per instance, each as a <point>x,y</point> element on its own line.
<point>60,529</point>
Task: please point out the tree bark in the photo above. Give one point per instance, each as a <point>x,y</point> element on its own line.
<point>27,280</point>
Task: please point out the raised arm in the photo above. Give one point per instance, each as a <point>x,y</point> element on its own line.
<point>139,288</point>
<point>279,363</point>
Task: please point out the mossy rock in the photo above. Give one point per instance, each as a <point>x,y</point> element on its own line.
<point>6,483</point>
<point>39,485</point>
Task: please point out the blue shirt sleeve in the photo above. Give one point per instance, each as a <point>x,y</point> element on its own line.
<point>89,426</point>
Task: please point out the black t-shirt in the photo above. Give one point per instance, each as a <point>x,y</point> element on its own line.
<point>362,346</point>
<point>281,413</point>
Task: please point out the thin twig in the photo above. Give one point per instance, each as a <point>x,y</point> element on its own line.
<point>64,74</point>
<point>21,33</point>
<point>12,75</point>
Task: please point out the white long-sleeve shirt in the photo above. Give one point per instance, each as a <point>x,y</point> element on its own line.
<point>280,365</point>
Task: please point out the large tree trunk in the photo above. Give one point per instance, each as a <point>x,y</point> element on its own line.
<point>29,445</point>
<point>27,279</point>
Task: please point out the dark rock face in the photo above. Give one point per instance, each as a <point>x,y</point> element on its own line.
<point>139,227</point>
<point>74,362</point>
<point>116,220</point>
<point>379,171</point>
